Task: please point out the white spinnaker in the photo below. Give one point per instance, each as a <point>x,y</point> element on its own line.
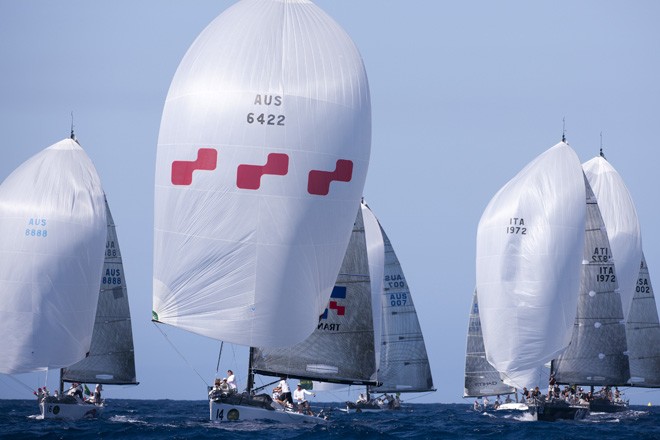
<point>530,242</point>
<point>52,240</point>
<point>247,259</point>
<point>620,218</point>
<point>376,256</point>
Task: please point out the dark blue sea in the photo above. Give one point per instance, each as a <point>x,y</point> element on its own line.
<point>171,419</point>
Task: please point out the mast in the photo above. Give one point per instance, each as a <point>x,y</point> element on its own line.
<point>250,382</point>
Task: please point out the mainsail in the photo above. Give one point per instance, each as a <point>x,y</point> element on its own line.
<point>481,379</point>
<point>53,229</point>
<point>404,364</point>
<point>341,349</point>
<point>262,157</point>
<point>529,247</point>
<point>111,357</point>
<point>597,352</point>
<point>643,332</point>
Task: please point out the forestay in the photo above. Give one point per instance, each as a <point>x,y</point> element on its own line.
<point>620,217</point>
<point>341,349</point>
<point>262,156</point>
<point>597,352</point>
<point>529,248</point>
<point>52,234</point>
<point>111,357</point>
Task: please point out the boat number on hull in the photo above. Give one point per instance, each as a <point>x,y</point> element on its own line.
<point>232,414</point>
<point>54,409</point>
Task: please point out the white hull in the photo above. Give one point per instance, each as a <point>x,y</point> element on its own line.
<point>513,406</point>
<point>226,412</point>
<point>72,411</point>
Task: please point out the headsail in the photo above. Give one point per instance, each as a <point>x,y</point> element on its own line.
<point>262,157</point>
<point>529,247</point>
<point>620,218</point>
<point>111,357</point>
<point>597,352</point>
<point>481,379</point>
<point>53,230</point>
<point>341,349</point>
<point>404,364</point>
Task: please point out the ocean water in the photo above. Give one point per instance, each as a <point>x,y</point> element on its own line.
<point>172,419</point>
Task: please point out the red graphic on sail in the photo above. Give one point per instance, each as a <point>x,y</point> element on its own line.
<point>249,176</point>
<point>319,181</point>
<point>182,170</point>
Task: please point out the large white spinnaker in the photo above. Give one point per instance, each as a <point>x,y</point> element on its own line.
<point>262,156</point>
<point>530,242</point>
<point>620,218</point>
<point>52,240</point>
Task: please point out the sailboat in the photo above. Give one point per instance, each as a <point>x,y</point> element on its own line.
<point>368,335</point>
<point>53,226</point>
<point>111,358</point>
<point>342,349</point>
<point>530,241</point>
<point>404,365</point>
<point>642,330</point>
<point>597,354</point>
<point>262,157</point>
<point>481,379</point>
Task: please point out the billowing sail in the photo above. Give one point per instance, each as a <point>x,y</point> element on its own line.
<point>341,349</point>
<point>597,352</point>
<point>643,332</point>
<point>481,379</point>
<point>529,248</point>
<point>262,156</point>
<point>620,217</point>
<point>52,233</point>
<point>111,357</point>
<point>404,364</point>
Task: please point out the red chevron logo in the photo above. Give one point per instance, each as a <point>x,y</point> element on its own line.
<point>319,181</point>
<point>249,176</point>
<point>182,170</point>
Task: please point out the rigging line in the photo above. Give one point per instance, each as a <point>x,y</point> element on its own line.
<point>24,385</point>
<point>179,353</point>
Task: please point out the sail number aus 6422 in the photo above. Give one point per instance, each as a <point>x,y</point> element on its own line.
<point>265,119</point>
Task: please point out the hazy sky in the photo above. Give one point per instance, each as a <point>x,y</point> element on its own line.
<point>464,94</point>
